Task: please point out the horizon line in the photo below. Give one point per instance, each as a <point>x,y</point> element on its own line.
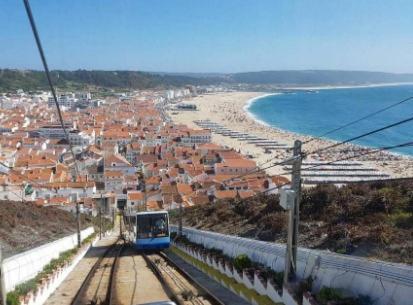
<point>217,73</point>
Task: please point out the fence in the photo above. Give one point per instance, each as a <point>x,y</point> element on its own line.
<point>26,265</point>
<point>386,283</point>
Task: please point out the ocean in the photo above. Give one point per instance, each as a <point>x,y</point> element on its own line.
<point>313,112</point>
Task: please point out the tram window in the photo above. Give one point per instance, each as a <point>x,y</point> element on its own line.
<point>144,227</point>
<point>149,226</point>
<point>160,226</point>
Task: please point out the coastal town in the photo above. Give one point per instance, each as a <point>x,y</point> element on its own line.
<point>156,149</point>
<point>193,153</point>
<point>128,154</point>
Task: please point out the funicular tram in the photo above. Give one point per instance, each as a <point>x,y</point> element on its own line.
<point>148,230</point>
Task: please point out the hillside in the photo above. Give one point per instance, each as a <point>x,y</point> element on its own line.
<point>319,77</point>
<point>372,220</point>
<point>11,80</point>
<point>25,225</point>
<point>82,79</point>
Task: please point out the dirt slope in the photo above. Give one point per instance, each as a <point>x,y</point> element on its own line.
<point>25,225</point>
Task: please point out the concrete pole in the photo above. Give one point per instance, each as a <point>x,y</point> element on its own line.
<point>120,224</point>
<point>79,240</point>
<point>144,195</point>
<point>2,281</point>
<point>180,219</point>
<point>293,217</point>
<point>100,222</point>
<point>100,214</point>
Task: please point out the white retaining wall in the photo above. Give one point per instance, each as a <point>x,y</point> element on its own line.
<point>26,265</point>
<point>386,283</point>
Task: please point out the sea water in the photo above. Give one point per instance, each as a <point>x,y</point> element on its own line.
<point>314,112</point>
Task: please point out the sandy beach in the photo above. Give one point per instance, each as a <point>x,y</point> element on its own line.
<point>228,109</point>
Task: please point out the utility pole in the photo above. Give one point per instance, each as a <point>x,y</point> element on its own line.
<point>2,281</point>
<point>78,224</point>
<point>293,217</point>
<point>144,195</point>
<point>100,215</point>
<point>120,223</point>
<point>100,222</point>
<point>180,219</point>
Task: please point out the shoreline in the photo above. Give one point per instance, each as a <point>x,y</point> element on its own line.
<point>255,118</point>
<point>229,110</point>
<point>348,86</point>
<point>249,103</point>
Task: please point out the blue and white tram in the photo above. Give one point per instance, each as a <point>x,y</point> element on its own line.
<point>151,230</point>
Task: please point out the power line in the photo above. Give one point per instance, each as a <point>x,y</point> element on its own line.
<point>49,79</point>
<point>361,136</point>
<point>385,148</point>
<point>17,173</point>
<point>352,182</point>
<point>406,144</point>
<point>337,129</point>
<point>257,170</point>
<point>343,142</point>
<point>372,180</point>
<point>359,120</point>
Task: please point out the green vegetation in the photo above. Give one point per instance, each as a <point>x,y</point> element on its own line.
<point>368,219</point>
<point>11,80</point>
<point>241,262</point>
<point>12,298</point>
<point>327,294</point>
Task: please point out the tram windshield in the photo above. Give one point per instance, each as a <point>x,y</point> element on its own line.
<point>152,225</point>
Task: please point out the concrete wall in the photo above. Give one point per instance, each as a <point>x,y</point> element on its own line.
<point>386,283</point>
<point>26,265</point>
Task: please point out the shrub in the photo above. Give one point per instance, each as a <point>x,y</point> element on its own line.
<point>25,287</point>
<point>242,261</point>
<point>402,220</point>
<point>328,294</point>
<point>277,277</point>
<point>12,298</point>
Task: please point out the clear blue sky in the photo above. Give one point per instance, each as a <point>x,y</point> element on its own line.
<point>210,35</point>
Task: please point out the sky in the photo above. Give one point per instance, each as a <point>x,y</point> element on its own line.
<point>224,36</point>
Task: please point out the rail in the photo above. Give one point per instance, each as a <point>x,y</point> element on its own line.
<point>93,289</point>
<point>184,287</point>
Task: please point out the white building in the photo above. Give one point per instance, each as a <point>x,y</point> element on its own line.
<point>83,96</point>
<point>65,100</point>
<point>197,137</point>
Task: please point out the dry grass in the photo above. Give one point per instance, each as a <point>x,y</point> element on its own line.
<point>374,220</point>
<point>25,225</point>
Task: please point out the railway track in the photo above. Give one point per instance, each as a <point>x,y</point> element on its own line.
<point>123,277</point>
<point>96,288</point>
<point>182,288</point>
